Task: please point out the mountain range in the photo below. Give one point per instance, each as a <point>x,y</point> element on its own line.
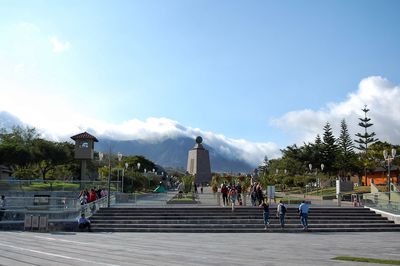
<point>170,152</point>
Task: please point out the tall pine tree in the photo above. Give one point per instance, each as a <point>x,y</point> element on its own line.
<point>329,149</point>
<point>364,139</point>
<point>346,156</point>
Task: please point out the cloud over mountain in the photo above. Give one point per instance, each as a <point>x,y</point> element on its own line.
<point>156,130</point>
<point>64,121</point>
<point>379,94</point>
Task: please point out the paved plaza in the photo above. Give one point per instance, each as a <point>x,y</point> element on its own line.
<point>26,248</point>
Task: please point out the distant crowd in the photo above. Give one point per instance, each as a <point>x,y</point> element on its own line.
<point>86,196</point>
<point>233,194</point>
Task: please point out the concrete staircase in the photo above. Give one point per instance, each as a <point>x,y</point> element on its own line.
<point>243,219</point>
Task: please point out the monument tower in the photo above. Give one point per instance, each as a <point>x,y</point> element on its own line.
<point>199,162</point>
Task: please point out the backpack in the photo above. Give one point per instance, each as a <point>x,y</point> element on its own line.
<point>283,209</point>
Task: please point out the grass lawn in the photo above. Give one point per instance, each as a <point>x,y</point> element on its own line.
<point>331,191</point>
<point>368,260</point>
<point>51,186</point>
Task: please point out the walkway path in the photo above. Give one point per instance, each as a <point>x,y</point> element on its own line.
<point>105,249</point>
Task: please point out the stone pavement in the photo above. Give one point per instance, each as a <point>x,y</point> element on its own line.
<point>26,248</point>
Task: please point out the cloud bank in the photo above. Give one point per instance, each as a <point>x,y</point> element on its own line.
<point>59,120</point>
<point>151,130</point>
<point>378,93</point>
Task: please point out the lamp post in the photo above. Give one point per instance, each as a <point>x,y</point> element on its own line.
<point>123,175</point>
<point>154,170</point>
<point>316,174</point>
<point>138,168</point>
<point>309,167</point>
<point>109,177</point>
<point>119,156</point>
<point>389,158</point>
<point>283,180</point>
<point>319,180</point>
<point>101,156</point>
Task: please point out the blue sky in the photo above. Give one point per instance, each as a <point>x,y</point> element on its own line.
<point>234,68</point>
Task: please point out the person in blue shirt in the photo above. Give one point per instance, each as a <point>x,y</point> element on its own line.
<point>84,222</point>
<point>303,210</point>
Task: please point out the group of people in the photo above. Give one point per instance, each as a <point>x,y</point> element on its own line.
<point>196,186</point>
<point>231,194</point>
<point>281,209</point>
<point>86,196</point>
<point>256,194</point>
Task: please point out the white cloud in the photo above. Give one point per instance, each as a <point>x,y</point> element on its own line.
<point>19,68</point>
<point>379,94</point>
<point>58,119</point>
<point>58,46</point>
<point>56,115</point>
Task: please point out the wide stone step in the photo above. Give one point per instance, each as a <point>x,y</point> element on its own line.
<point>229,207</point>
<point>181,217</point>
<point>242,219</point>
<point>272,225</point>
<point>248,230</point>
<point>228,213</point>
<point>225,210</point>
<point>230,221</point>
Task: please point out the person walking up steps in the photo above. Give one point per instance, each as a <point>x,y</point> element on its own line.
<point>280,213</point>
<point>233,197</point>
<point>265,207</point>
<point>224,192</point>
<point>303,210</point>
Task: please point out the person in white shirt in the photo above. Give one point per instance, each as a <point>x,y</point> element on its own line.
<point>280,213</point>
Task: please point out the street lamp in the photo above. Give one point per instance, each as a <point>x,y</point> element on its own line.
<point>389,158</point>
<point>319,180</point>
<point>123,175</point>
<point>119,156</point>
<point>309,167</point>
<point>109,176</point>
<point>101,156</point>
<point>149,176</point>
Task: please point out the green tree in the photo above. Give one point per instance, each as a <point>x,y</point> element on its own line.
<point>364,139</point>
<point>264,167</point>
<point>346,160</point>
<point>47,155</point>
<point>329,149</point>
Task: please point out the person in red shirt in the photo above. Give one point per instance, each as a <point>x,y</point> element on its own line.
<point>92,196</point>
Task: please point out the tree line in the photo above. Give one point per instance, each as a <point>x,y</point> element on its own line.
<point>30,156</point>
<point>328,156</point>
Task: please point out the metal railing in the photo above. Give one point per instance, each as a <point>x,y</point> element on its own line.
<point>380,201</point>
<point>173,198</point>
<point>64,209</point>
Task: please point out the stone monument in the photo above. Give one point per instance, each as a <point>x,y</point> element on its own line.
<point>84,150</point>
<point>199,163</point>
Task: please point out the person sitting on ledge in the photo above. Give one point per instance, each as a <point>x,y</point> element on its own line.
<point>84,222</point>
